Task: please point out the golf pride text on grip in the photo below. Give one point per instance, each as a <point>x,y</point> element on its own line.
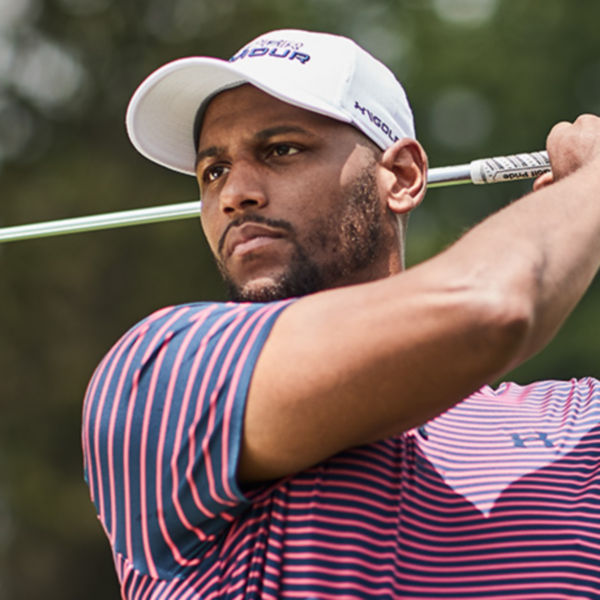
<point>508,168</point>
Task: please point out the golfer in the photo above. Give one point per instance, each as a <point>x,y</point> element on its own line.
<point>332,432</point>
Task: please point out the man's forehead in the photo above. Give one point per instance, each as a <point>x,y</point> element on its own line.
<point>247,105</point>
<point>252,113</point>
<point>247,100</point>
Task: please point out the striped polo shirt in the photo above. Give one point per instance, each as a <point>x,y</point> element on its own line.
<point>498,497</point>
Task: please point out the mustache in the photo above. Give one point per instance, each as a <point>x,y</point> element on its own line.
<point>258,219</point>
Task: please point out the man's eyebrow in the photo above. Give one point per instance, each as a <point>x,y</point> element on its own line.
<point>207,152</point>
<point>260,136</point>
<point>270,132</point>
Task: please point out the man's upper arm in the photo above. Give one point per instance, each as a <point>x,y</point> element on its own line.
<point>353,365</point>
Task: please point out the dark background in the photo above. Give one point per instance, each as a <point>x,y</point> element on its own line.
<point>485,77</point>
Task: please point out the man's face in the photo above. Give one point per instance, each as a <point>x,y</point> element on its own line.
<point>290,204</point>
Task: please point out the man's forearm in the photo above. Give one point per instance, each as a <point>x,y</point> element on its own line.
<point>541,252</point>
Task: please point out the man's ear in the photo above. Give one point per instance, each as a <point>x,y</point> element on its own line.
<point>404,175</point>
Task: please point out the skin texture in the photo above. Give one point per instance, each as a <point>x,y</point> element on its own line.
<point>353,364</point>
<point>352,238</point>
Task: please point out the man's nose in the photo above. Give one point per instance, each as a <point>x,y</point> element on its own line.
<point>243,190</point>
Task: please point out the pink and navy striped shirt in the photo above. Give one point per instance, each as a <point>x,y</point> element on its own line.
<point>499,497</point>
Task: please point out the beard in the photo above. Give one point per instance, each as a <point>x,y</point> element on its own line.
<point>352,241</point>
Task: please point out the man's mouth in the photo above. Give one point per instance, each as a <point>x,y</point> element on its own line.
<point>249,237</point>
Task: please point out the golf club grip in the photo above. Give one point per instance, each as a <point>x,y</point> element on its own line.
<point>491,170</point>
<point>508,168</point>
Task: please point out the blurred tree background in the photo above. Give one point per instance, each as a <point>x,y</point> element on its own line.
<point>485,77</point>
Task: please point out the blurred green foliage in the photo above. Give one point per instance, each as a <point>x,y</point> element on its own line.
<point>485,77</point>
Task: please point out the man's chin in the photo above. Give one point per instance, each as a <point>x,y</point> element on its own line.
<point>299,277</point>
<point>259,290</point>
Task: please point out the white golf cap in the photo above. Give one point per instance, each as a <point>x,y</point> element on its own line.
<point>324,73</point>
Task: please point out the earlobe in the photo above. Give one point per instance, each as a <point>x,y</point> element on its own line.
<point>405,175</point>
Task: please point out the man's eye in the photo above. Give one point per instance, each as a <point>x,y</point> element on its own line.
<point>212,173</point>
<point>284,150</point>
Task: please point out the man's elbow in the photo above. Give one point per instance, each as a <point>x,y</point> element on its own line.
<point>509,316</point>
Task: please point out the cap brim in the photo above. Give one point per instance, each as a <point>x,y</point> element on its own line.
<point>161,114</point>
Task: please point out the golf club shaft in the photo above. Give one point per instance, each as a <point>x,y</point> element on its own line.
<point>485,170</point>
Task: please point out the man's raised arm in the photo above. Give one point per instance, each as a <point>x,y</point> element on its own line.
<point>353,365</point>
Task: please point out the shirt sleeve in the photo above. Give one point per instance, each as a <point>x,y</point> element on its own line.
<point>162,426</point>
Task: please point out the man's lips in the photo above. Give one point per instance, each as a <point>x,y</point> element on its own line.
<point>248,237</point>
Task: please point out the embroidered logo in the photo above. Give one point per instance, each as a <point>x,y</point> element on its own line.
<point>273,48</point>
<point>376,121</point>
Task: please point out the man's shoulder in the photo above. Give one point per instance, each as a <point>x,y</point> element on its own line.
<point>577,397</point>
<point>174,331</point>
<point>203,316</point>
<point>544,388</point>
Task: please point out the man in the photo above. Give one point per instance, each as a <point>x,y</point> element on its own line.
<point>320,447</point>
